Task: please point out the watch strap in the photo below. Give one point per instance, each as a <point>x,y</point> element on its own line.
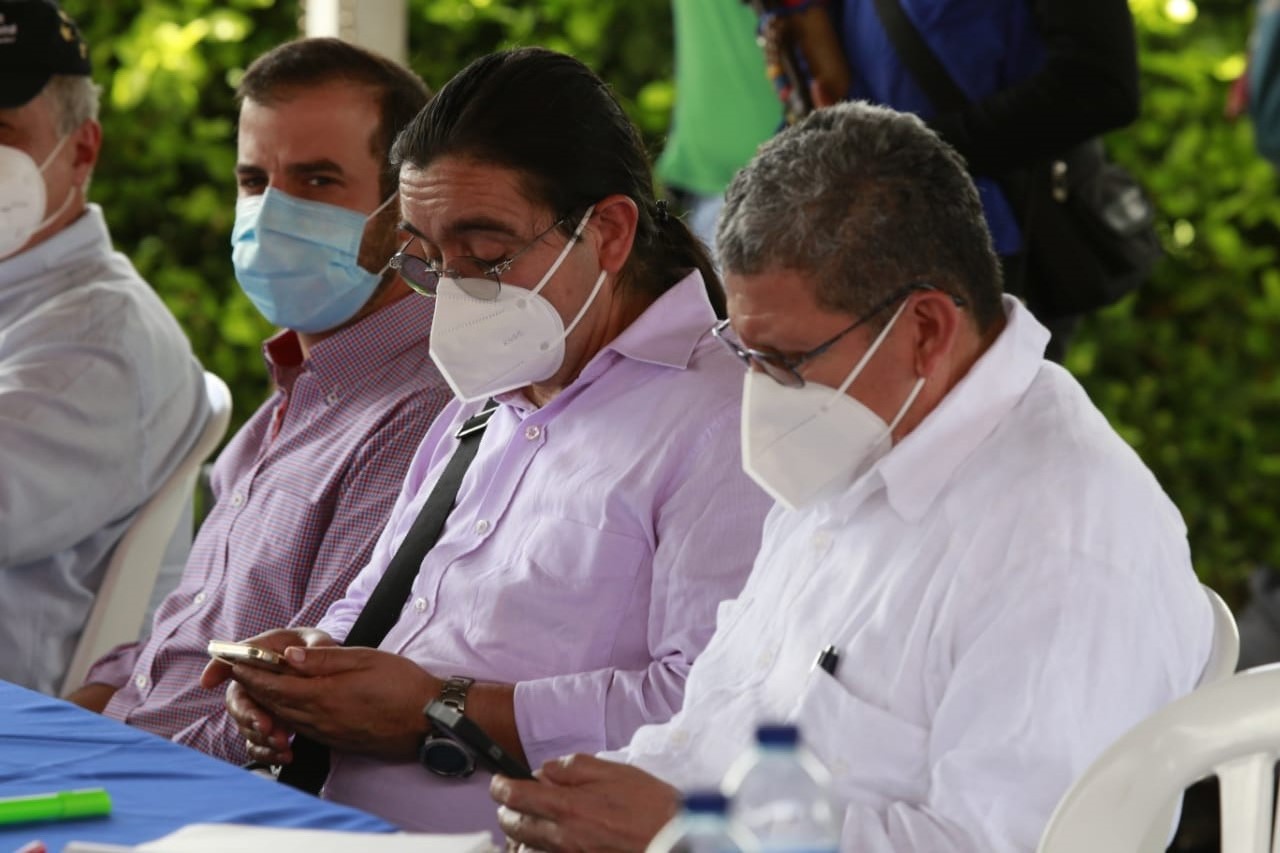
<point>454,692</point>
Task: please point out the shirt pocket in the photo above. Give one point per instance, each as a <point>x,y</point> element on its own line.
<point>874,757</point>
<point>558,606</point>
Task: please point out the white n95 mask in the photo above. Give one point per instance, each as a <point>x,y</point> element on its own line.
<point>23,197</point>
<point>805,444</point>
<point>485,347</point>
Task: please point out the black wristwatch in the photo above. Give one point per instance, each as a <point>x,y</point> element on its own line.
<point>441,755</point>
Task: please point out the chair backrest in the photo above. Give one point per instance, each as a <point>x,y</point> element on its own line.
<point>121,602</point>
<point>1226,641</point>
<point>1228,726</point>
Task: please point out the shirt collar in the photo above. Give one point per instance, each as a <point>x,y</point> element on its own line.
<point>920,465</point>
<point>86,235</point>
<point>342,359</point>
<point>667,333</point>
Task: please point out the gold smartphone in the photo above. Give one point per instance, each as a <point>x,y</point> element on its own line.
<point>243,653</point>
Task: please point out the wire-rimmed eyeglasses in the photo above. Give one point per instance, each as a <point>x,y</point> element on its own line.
<point>786,370</point>
<point>476,277</point>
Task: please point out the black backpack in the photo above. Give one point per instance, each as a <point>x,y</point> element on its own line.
<point>1088,227</point>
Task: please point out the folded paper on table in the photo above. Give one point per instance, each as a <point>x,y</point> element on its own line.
<point>220,837</point>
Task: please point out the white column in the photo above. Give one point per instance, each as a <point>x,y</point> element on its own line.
<point>379,25</point>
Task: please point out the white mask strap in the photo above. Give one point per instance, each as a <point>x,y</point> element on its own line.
<point>380,273</point>
<point>54,153</point>
<point>592,298</point>
<point>564,253</point>
<point>382,206</point>
<point>875,345</point>
<point>71,191</point>
<point>66,202</point>
<point>911,398</point>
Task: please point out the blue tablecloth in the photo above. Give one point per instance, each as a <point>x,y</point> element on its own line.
<point>155,786</point>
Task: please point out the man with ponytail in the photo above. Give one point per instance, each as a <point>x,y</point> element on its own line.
<point>604,516</point>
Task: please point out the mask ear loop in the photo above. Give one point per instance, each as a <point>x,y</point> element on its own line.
<point>382,206</point>
<point>380,273</point>
<point>875,345</point>
<point>564,253</point>
<point>54,153</point>
<point>71,191</point>
<point>911,398</point>
<point>583,311</point>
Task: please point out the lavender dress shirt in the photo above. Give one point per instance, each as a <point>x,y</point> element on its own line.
<point>302,492</point>
<point>591,543</point>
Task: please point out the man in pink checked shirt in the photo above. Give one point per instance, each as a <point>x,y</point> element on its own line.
<point>303,489</point>
<point>605,516</point>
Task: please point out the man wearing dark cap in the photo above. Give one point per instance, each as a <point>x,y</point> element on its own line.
<point>100,395</point>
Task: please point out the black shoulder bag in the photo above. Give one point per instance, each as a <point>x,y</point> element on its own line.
<point>310,766</point>
<point>1088,228</point>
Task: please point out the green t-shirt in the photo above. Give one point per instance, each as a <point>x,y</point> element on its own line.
<point>725,105</point>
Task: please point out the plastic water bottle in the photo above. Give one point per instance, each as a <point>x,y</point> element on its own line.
<point>702,826</point>
<point>779,793</point>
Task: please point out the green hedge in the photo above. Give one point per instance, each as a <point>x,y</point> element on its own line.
<point>1183,369</point>
<point>1186,368</point>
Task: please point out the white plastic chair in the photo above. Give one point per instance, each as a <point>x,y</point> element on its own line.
<point>1226,641</point>
<point>121,603</point>
<point>1228,726</point>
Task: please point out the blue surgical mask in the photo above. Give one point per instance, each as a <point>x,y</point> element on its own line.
<point>296,260</point>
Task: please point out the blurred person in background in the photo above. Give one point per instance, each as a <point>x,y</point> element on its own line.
<point>1040,77</point>
<point>724,107</point>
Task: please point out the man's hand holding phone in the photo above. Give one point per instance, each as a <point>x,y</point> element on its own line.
<point>266,734</point>
<point>351,699</point>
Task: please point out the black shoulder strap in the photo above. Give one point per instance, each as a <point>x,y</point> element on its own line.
<point>388,597</point>
<point>925,68</point>
<point>310,766</point>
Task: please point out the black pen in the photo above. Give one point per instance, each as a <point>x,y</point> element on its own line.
<point>828,660</point>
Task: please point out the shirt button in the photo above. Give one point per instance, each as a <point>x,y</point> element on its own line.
<point>482,527</point>
<point>821,540</point>
<point>200,596</point>
<point>141,681</point>
<point>237,499</point>
<point>532,432</point>
<point>420,605</point>
<point>765,660</point>
<point>679,737</point>
<point>331,397</point>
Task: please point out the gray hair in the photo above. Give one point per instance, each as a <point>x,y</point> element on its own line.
<point>74,98</point>
<point>864,201</point>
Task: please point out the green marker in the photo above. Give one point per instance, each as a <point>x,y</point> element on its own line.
<point>63,805</point>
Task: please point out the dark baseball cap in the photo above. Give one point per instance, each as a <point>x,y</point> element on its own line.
<point>37,41</point>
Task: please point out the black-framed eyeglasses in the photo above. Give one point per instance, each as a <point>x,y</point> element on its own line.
<point>786,371</point>
<point>478,278</point>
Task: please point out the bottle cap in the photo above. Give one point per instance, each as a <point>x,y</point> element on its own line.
<point>706,802</point>
<point>777,735</point>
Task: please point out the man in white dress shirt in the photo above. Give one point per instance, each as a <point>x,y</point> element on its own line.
<point>100,396</point>
<point>1005,584</point>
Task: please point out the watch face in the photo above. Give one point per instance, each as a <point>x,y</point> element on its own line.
<point>445,757</point>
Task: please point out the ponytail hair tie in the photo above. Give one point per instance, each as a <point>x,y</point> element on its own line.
<point>661,213</point>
